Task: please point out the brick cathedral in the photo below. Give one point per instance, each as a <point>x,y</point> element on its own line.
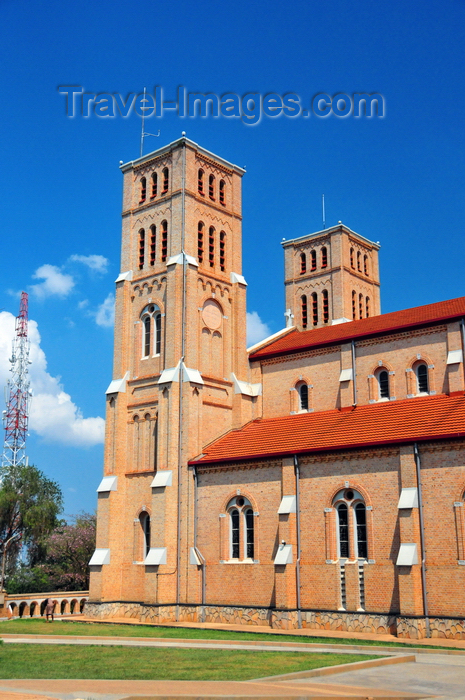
<point>314,480</point>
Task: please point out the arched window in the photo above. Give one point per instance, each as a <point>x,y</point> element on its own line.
<point>222,192</point>
<point>143,189</point>
<point>166,180</point>
<point>313,259</point>
<point>324,294</point>
<point>157,324</point>
<point>302,390</point>
<point>365,264</point>
<point>361,531</point>
<point>303,263</point>
<point>367,307</point>
<point>153,244</point>
<point>200,182</point>
<point>304,311</point>
<point>151,319</point>
<point>222,250</point>
<point>421,371</point>
<point>200,230</point>
<point>211,246</point>
<point>343,530</point>
<point>359,262</point>
<point>324,257</point>
<point>315,308</point>
<point>154,185</point>
<point>354,309</point>
<point>241,528</point>
<point>144,519</point>
<point>141,248</point>
<point>382,377</point>
<point>147,336</point>
<point>360,305</point>
<point>211,187</point>
<point>352,541</point>
<point>352,259</point>
<point>164,240</point>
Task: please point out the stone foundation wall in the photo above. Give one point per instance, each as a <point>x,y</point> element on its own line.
<point>408,628</point>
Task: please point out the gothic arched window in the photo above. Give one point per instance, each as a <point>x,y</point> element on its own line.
<point>222,192</point>
<point>143,189</point>
<point>153,244</point>
<point>303,263</point>
<point>200,182</point>
<point>351,525</point>
<point>141,248</point>
<point>304,310</point>
<point>166,180</point>
<point>313,259</point>
<point>154,185</point>
<point>241,528</point>
<point>315,308</point>
<point>421,372</point>
<point>200,241</point>
<point>324,257</point>
<point>324,294</point>
<point>382,377</point>
<point>211,187</point>
<point>164,240</point>
<point>144,519</point>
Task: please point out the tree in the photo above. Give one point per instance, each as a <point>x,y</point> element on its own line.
<point>69,549</point>
<point>29,508</point>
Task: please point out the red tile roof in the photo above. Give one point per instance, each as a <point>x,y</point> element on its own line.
<point>376,325</point>
<point>410,420</point>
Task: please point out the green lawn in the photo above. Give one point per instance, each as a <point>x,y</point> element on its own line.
<point>40,626</point>
<point>142,663</point>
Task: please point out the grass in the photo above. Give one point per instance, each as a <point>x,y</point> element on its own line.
<point>90,629</point>
<point>129,663</point>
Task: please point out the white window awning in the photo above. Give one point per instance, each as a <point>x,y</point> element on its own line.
<point>164,477</point>
<point>408,498</point>
<point>454,357</point>
<point>408,555</point>
<point>194,557</point>
<point>288,505</point>
<point>284,554</point>
<point>108,483</point>
<point>346,375</point>
<point>100,557</point>
<point>156,556</point>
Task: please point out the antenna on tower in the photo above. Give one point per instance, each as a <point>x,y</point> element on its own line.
<point>16,415</point>
<point>143,134</point>
<point>323,210</point>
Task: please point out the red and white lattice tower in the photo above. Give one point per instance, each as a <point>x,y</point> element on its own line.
<point>15,418</point>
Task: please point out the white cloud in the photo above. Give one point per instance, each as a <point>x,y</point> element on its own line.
<point>256,329</point>
<point>105,314</point>
<point>56,283</point>
<point>53,415</point>
<point>98,263</point>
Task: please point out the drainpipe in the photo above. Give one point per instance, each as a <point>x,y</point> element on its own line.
<point>354,376</point>
<point>297,568</point>
<point>422,541</point>
<point>181,377</point>
<point>197,551</point>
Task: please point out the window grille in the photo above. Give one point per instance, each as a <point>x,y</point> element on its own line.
<point>222,190</point>
<point>303,302</point>
<point>211,246</point>
<point>200,183</point>
<point>325,306</point>
<point>211,187</point>
<point>200,242</point>
<point>153,242</point>
<point>154,184</point>
<point>313,259</point>
<point>324,257</point>
<point>315,308</point>
<point>143,189</point>
<point>164,240</point>
<point>222,250</point>
<point>303,263</point>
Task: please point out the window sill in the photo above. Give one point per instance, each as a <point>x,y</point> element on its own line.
<point>239,561</point>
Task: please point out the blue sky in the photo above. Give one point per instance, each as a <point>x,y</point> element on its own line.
<point>398,180</point>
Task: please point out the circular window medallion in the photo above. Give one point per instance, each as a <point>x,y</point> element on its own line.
<point>211,314</point>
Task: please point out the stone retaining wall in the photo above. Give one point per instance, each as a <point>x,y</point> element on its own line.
<point>408,628</point>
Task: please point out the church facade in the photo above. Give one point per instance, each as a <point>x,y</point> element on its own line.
<point>314,480</point>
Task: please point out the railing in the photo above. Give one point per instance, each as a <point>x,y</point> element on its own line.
<point>32,605</point>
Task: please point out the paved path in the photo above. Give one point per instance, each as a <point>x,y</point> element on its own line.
<point>440,674</point>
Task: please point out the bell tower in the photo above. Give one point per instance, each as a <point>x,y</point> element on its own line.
<point>181,373</point>
<point>331,276</point>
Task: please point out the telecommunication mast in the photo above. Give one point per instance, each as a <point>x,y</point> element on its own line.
<point>16,415</point>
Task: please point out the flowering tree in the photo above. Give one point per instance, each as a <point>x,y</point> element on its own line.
<point>29,508</point>
<point>69,549</point>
